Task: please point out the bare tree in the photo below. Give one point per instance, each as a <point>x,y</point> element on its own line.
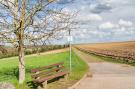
<point>24,22</point>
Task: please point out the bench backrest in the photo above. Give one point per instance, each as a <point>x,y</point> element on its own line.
<point>47,70</point>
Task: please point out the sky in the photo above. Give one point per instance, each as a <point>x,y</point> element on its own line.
<point>102,20</point>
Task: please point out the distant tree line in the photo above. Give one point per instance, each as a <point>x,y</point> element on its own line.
<point>2,49</point>
<point>6,52</point>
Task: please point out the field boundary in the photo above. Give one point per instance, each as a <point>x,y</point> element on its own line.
<point>111,57</point>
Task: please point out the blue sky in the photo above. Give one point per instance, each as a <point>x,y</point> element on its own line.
<point>102,20</point>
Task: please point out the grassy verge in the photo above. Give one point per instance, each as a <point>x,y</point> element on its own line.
<point>114,60</point>
<point>109,58</point>
<point>9,67</point>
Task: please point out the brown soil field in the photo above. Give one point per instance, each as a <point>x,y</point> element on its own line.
<point>118,50</point>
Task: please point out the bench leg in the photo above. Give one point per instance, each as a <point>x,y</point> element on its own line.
<point>66,77</point>
<point>39,87</point>
<point>45,85</point>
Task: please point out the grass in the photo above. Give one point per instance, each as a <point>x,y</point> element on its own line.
<point>9,67</point>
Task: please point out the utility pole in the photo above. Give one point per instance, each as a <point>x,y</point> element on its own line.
<point>70,49</point>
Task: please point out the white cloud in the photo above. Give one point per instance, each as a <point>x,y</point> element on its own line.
<point>117,16</point>
<point>95,17</point>
<point>116,1</point>
<point>107,25</point>
<point>122,29</point>
<point>89,17</point>
<point>121,24</point>
<point>107,1</point>
<point>125,23</point>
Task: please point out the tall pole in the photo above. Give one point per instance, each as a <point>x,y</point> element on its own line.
<point>70,50</point>
<point>70,57</point>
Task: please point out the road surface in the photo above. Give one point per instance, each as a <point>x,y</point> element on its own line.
<point>106,75</point>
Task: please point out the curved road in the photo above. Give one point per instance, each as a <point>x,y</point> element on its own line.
<point>106,75</point>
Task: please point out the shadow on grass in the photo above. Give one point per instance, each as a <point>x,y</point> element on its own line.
<point>32,85</point>
<point>16,73</point>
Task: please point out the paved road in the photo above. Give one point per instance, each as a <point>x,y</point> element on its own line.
<point>107,75</point>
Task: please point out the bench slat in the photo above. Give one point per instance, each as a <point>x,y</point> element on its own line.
<point>47,72</point>
<point>45,67</point>
<point>50,77</point>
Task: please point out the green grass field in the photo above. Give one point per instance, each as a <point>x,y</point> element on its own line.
<point>9,67</point>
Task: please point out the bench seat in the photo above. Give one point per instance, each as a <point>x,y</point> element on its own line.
<point>47,73</point>
<point>41,80</point>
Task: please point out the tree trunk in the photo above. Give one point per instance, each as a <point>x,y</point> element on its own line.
<point>21,44</point>
<point>21,62</point>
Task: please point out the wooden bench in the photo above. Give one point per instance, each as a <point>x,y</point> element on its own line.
<point>41,75</point>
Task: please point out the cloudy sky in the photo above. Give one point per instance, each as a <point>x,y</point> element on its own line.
<point>102,20</point>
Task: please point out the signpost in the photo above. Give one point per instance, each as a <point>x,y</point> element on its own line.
<point>70,39</point>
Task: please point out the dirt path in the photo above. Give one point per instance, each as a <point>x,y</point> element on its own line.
<point>86,57</point>
<point>43,53</point>
<point>106,75</point>
<point>52,52</point>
